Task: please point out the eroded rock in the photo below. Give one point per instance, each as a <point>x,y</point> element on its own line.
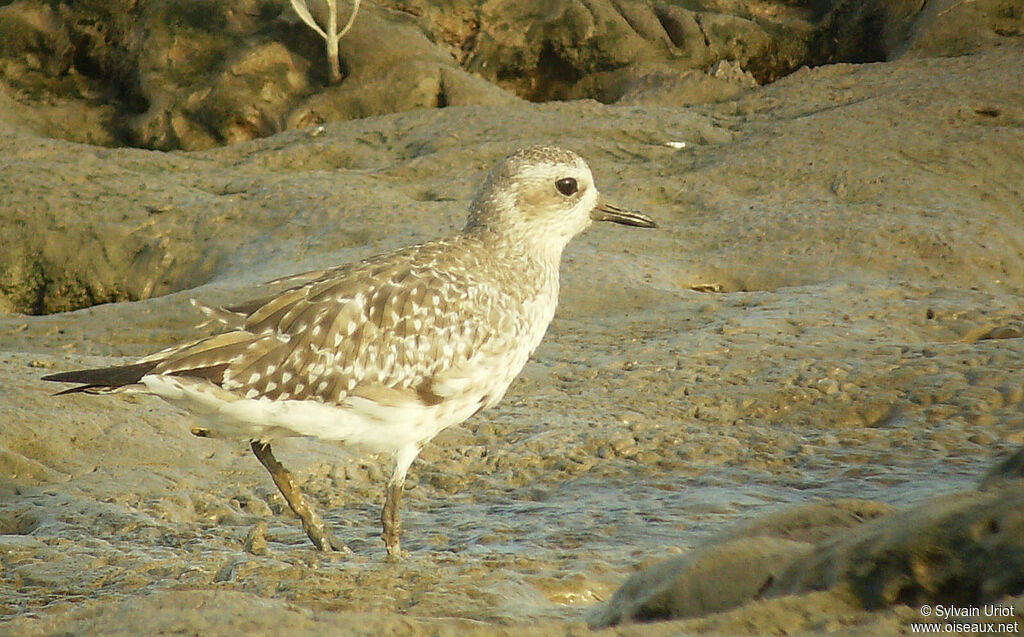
<point>165,74</point>
<point>965,549</point>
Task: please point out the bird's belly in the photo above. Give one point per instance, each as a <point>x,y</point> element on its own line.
<point>358,422</point>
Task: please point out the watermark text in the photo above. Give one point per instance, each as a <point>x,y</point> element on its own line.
<point>998,619</point>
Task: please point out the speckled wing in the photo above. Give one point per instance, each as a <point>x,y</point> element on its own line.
<point>386,330</point>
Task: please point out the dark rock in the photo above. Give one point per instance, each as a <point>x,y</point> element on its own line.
<point>965,549</point>
<point>951,27</point>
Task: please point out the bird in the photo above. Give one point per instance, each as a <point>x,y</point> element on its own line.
<point>383,354</point>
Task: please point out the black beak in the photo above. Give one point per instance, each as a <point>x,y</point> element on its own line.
<point>607,211</point>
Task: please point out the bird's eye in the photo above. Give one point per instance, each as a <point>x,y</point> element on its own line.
<point>567,186</point>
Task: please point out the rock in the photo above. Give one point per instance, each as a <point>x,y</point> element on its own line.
<point>854,31</point>
<point>256,539</point>
<point>171,76</point>
<point>964,549</point>
<point>705,580</point>
<point>543,50</point>
<point>247,98</point>
<point>574,49</point>
<point>953,27</point>
<point>57,261</point>
<point>888,30</point>
<point>734,568</point>
<point>201,76</point>
<point>392,67</point>
<point>34,40</point>
<point>730,71</point>
<point>38,58</point>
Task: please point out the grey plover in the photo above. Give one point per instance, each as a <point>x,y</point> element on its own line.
<point>385,353</point>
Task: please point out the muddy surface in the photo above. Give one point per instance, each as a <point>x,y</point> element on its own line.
<point>831,309</point>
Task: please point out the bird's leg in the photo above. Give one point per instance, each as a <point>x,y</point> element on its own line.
<point>390,518</point>
<point>319,533</point>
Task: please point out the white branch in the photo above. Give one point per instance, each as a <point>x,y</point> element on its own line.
<point>351,19</point>
<point>303,11</point>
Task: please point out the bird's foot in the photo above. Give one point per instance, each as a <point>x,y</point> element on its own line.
<point>395,553</point>
<point>320,534</point>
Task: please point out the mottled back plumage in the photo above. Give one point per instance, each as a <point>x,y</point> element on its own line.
<point>389,328</point>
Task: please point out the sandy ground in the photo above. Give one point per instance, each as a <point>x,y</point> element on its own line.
<point>831,309</point>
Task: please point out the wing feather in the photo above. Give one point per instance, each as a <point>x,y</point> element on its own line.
<point>207,352</point>
<point>385,328</point>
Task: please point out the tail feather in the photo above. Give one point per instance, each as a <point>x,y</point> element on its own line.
<point>102,378</point>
